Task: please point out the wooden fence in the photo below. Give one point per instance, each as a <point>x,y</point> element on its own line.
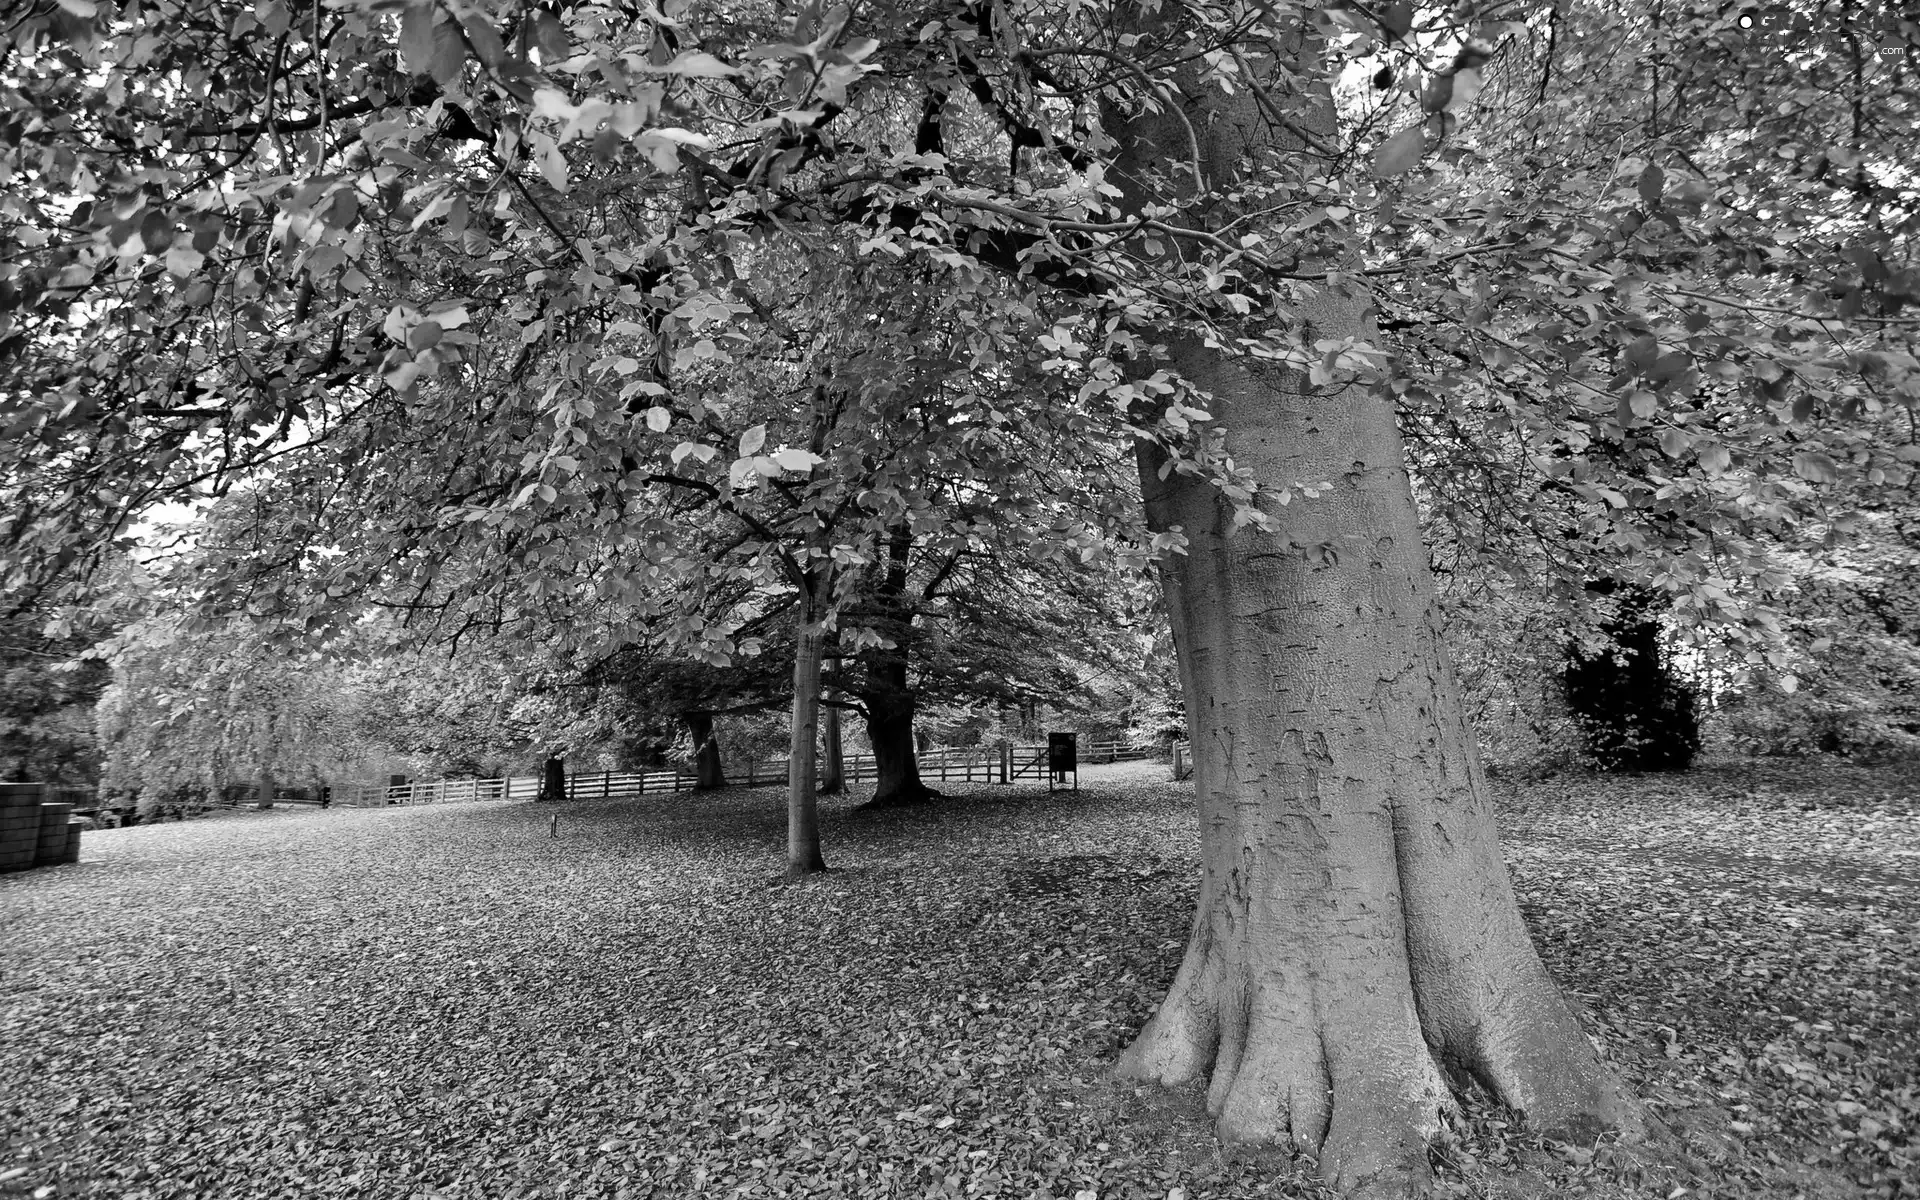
<point>441,791</point>
<point>983,764</point>
<point>1113,752</point>
<point>234,795</point>
<point>986,764</point>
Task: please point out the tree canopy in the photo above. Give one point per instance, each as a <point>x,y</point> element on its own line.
<point>517,271</point>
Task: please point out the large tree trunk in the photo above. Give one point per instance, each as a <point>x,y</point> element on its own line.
<point>803,822</point>
<point>553,778</point>
<point>708,773</point>
<point>890,702</point>
<point>896,767</point>
<point>1357,954</point>
<point>263,789</point>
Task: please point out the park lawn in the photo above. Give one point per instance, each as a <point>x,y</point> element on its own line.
<point>453,1002</point>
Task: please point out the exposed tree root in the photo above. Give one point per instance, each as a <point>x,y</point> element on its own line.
<point>1330,1046</point>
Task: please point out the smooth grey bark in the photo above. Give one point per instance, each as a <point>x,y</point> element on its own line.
<point>1357,954</point>
<point>803,821</point>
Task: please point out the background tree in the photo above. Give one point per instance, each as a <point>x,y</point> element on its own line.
<point>658,687</point>
<point>48,688</point>
<point>1853,620</point>
<point>187,716</point>
<point>972,627</point>
<point>1749,400</point>
<point>1636,715</point>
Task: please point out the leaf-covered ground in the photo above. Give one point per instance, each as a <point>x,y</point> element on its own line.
<point>452,1002</point>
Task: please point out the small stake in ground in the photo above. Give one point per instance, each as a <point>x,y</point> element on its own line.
<point>553,830</point>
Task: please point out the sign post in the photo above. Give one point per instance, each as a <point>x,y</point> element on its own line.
<point>1063,759</point>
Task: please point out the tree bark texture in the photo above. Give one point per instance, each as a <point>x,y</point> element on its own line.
<point>708,773</point>
<point>889,699</point>
<point>803,822</point>
<point>263,790</point>
<point>833,756</point>
<point>896,766</point>
<point>1357,954</point>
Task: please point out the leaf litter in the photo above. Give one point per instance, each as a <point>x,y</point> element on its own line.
<point>448,1002</point>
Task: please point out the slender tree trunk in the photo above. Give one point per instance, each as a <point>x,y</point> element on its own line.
<point>263,789</point>
<point>832,766</point>
<point>1357,954</point>
<point>708,773</point>
<point>803,822</point>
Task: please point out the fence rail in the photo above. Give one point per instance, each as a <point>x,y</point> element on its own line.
<point>440,791</point>
<point>983,764</point>
<point>986,764</point>
<point>87,801</point>
<point>236,794</point>
<point>1113,752</point>
<point>78,795</point>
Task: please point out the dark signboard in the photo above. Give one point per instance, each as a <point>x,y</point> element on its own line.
<point>1063,753</point>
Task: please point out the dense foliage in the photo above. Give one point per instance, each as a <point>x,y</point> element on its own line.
<point>1854,624</point>
<point>526,304</point>
<point>373,220</point>
<point>47,691</point>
